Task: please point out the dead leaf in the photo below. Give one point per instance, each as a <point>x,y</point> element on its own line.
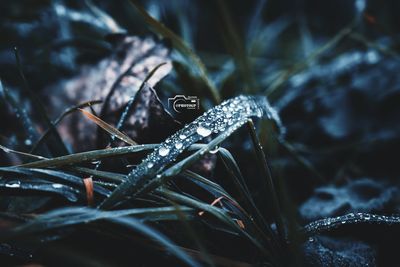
<point>131,54</point>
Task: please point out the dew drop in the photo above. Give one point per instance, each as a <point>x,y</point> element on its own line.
<point>150,165</point>
<point>13,185</point>
<point>163,151</point>
<point>182,137</point>
<point>203,131</point>
<point>215,150</point>
<point>57,186</point>
<point>179,145</point>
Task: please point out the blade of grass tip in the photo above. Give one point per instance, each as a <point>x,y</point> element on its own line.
<point>270,185</point>
<point>197,177</point>
<point>182,47</point>
<point>20,113</point>
<point>107,127</point>
<point>31,156</point>
<point>57,146</point>
<point>303,64</point>
<point>65,113</point>
<point>92,155</point>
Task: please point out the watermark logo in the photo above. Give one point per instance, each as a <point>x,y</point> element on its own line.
<point>180,103</point>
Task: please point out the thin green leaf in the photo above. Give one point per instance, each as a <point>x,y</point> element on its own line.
<point>56,146</point>
<point>93,155</point>
<point>60,118</point>
<point>107,127</point>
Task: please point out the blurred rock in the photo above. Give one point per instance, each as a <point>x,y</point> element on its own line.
<point>325,252</point>
<point>132,55</point>
<point>363,195</point>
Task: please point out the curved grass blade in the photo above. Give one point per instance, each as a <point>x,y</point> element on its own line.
<point>92,155</point>
<point>31,156</point>
<point>95,155</point>
<point>52,176</point>
<point>107,127</point>
<point>127,109</point>
<point>225,118</point>
<point>234,170</point>
<point>21,114</point>
<point>328,224</point>
<point>57,146</point>
<point>269,183</point>
<point>40,186</point>
<point>60,118</point>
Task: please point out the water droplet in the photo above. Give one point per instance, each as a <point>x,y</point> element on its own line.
<point>150,165</point>
<point>215,150</point>
<point>28,142</point>
<point>178,145</point>
<point>163,151</point>
<point>182,136</point>
<point>57,186</point>
<point>203,131</point>
<point>13,185</point>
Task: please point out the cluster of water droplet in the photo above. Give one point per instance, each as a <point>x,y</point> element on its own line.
<point>222,119</point>
<point>328,224</point>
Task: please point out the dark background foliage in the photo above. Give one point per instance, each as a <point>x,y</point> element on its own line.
<point>330,68</point>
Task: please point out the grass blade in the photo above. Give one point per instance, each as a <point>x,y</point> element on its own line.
<point>182,47</point>
<point>60,118</point>
<point>271,191</point>
<point>57,146</point>
<point>88,156</point>
<point>107,127</point>
<point>20,113</point>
